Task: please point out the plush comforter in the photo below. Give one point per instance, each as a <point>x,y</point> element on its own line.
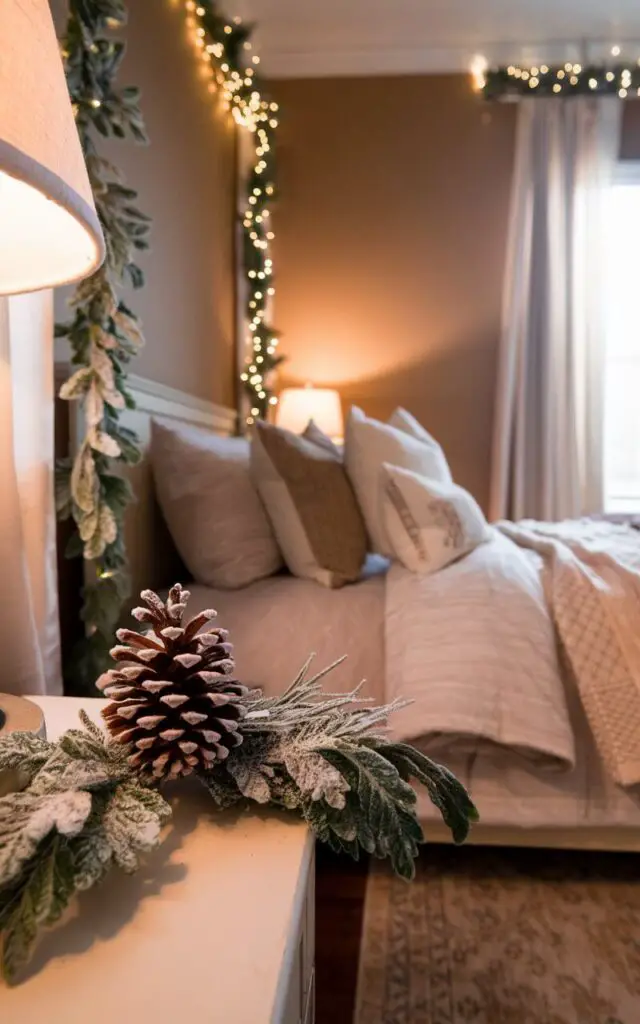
<point>489,649</point>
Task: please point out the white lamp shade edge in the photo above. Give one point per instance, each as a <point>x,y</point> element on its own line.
<point>25,169</point>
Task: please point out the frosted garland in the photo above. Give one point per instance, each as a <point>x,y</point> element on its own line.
<point>104,335</point>
<point>90,802</point>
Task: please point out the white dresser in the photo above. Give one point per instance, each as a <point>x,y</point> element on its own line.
<point>218,926</point>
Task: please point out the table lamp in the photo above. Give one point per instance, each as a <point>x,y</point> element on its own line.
<point>322,405</point>
<point>49,229</point>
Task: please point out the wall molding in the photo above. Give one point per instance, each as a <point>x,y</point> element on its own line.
<point>161,400</point>
<point>155,399</point>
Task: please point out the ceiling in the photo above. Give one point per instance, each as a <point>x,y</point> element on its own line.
<point>303,38</point>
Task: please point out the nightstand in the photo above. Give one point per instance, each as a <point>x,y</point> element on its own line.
<point>218,926</point>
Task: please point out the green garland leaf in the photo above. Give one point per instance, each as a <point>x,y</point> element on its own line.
<point>104,335</point>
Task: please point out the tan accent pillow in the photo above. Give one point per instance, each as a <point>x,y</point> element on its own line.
<point>311,505</point>
<point>211,507</point>
<point>429,523</point>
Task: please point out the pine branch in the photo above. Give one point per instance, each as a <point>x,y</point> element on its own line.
<point>81,811</point>
<point>328,757</point>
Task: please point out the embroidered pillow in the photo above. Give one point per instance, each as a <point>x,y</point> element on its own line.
<point>369,444</point>
<point>311,505</point>
<point>429,523</point>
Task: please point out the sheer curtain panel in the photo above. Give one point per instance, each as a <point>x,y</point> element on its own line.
<point>548,436</point>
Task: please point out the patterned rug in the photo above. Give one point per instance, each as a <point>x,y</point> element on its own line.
<point>503,937</point>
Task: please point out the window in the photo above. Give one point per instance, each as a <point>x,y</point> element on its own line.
<point>622,361</point>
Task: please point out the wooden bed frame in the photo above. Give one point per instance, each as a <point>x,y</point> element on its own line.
<point>156,564</point>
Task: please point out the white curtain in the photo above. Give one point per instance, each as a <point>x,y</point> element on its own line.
<point>547,452</point>
<point>29,634</point>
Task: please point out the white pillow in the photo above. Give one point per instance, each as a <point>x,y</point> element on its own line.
<point>404,421</point>
<point>368,445</point>
<point>212,509</point>
<point>429,523</point>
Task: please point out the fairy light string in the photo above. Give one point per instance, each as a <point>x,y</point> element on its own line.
<point>572,78</point>
<point>225,49</point>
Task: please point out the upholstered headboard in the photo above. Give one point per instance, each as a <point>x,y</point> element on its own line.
<point>153,558</point>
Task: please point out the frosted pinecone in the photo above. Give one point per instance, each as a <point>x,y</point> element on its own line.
<point>172,699</point>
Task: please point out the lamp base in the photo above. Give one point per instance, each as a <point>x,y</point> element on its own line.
<point>17,714</point>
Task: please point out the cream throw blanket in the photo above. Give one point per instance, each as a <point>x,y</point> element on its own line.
<point>592,583</point>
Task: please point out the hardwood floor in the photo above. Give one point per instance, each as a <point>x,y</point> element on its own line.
<point>340,888</point>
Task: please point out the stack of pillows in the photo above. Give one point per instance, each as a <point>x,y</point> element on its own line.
<point>241,510</point>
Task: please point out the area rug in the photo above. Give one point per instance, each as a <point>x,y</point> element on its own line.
<point>503,937</point>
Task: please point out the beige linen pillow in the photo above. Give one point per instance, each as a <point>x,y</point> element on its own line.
<point>212,509</point>
<point>369,444</point>
<point>429,523</point>
<point>311,505</point>
<point>404,421</point>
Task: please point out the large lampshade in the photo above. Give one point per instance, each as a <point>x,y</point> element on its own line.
<point>49,229</point>
<point>322,405</point>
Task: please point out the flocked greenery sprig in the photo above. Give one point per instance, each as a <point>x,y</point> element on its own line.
<point>224,45</point>
<point>87,803</point>
<point>103,334</point>
<point>76,810</point>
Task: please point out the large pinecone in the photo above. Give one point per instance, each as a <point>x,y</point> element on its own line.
<point>172,698</point>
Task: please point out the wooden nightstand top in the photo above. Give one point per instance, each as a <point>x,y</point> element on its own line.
<point>206,931</point>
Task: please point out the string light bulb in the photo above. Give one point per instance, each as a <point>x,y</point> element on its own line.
<point>233,70</point>
<point>479,68</point>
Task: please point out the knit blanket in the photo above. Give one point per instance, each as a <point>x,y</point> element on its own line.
<point>591,577</point>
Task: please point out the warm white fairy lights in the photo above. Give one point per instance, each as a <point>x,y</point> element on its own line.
<point>225,49</point>
<point>569,79</point>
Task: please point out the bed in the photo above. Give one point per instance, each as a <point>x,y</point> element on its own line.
<point>277,622</point>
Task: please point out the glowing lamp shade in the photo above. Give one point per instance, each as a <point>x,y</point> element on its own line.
<point>49,229</point>
<point>322,405</point>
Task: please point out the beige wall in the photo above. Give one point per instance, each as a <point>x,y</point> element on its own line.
<point>390,238</point>
<point>185,180</point>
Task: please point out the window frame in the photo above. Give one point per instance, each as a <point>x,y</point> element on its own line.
<point>627,172</point>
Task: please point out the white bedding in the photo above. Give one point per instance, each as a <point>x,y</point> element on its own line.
<point>473,646</point>
<point>276,623</point>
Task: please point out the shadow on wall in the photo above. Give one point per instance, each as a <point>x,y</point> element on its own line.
<point>461,377</point>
